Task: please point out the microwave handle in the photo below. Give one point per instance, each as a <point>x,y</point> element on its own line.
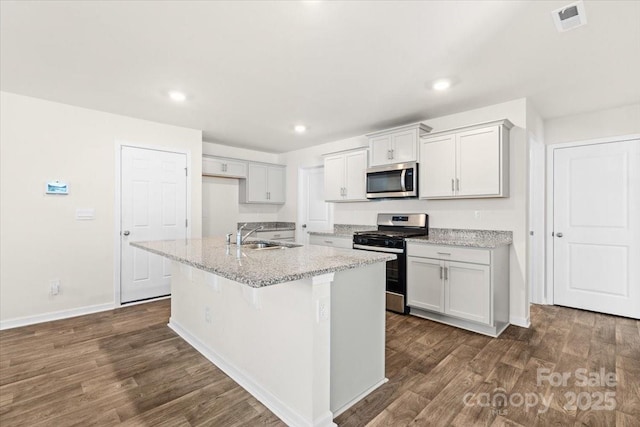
<point>402,180</point>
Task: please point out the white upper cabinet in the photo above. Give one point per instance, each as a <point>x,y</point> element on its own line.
<point>220,166</point>
<point>469,162</point>
<point>397,145</point>
<point>345,176</point>
<point>437,167</point>
<point>264,184</point>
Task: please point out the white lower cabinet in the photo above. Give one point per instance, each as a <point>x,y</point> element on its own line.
<point>333,241</point>
<point>427,275</point>
<point>463,287</point>
<point>468,291</point>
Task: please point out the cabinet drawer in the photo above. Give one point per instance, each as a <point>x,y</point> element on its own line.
<point>454,253</point>
<point>336,242</point>
<point>276,235</point>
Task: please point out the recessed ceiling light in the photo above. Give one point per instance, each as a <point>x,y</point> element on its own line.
<point>442,84</point>
<point>300,128</point>
<point>177,96</point>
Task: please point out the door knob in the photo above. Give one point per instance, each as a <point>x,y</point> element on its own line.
<point>559,234</point>
<point>126,233</point>
<point>304,225</point>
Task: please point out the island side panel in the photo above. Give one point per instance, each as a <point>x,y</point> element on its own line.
<point>270,340</point>
<point>357,334</point>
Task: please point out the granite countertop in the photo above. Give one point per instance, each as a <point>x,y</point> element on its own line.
<point>343,230</point>
<point>487,239</point>
<point>258,268</point>
<point>269,226</point>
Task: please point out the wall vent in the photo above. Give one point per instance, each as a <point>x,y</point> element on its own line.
<point>569,17</point>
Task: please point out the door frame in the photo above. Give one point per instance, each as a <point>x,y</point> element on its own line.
<point>536,179</point>
<point>550,184</point>
<point>118,145</point>
<point>300,210</point>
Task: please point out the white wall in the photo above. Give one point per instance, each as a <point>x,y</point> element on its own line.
<point>40,238</point>
<point>498,214</point>
<point>623,120</point>
<point>220,196</point>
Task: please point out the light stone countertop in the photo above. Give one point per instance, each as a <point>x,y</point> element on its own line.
<point>344,230</point>
<point>486,239</point>
<point>258,268</point>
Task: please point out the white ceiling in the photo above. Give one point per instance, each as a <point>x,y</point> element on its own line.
<point>252,70</point>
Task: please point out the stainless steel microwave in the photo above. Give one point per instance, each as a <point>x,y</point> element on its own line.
<point>398,180</point>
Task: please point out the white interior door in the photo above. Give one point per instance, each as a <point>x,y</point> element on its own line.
<point>596,216</point>
<point>314,213</point>
<point>153,207</point>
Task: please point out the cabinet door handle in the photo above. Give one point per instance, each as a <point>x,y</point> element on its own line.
<point>443,253</point>
<point>345,192</point>
<point>330,242</point>
<point>392,153</point>
<point>388,154</point>
<point>441,269</point>
<point>446,273</point>
<point>457,184</point>
<point>452,187</point>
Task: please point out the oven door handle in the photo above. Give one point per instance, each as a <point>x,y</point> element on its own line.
<point>378,249</point>
<point>403,183</point>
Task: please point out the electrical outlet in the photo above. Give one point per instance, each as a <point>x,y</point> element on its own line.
<point>207,314</point>
<point>476,214</point>
<point>54,287</point>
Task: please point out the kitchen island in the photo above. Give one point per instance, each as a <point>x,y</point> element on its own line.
<point>300,328</point>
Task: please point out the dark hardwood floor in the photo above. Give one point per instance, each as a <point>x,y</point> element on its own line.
<point>127,367</point>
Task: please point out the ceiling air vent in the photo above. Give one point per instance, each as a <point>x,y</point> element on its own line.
<point>569,17</point>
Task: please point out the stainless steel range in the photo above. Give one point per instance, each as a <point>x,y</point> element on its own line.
<point>390,237</point>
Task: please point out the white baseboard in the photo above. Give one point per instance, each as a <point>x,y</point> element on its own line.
<point>275,405</point>
<point>56,315</point>
<point>523,322</point>
<point>358,398</point>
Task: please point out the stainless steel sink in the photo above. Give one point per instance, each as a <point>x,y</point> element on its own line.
<point>267,245</point>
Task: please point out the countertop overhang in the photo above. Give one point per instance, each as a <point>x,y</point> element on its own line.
<point>259,268</point>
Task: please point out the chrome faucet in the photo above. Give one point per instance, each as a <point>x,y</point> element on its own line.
<point>240,238</point>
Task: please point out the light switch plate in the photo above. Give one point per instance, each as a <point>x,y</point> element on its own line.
<point>85,214</point>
